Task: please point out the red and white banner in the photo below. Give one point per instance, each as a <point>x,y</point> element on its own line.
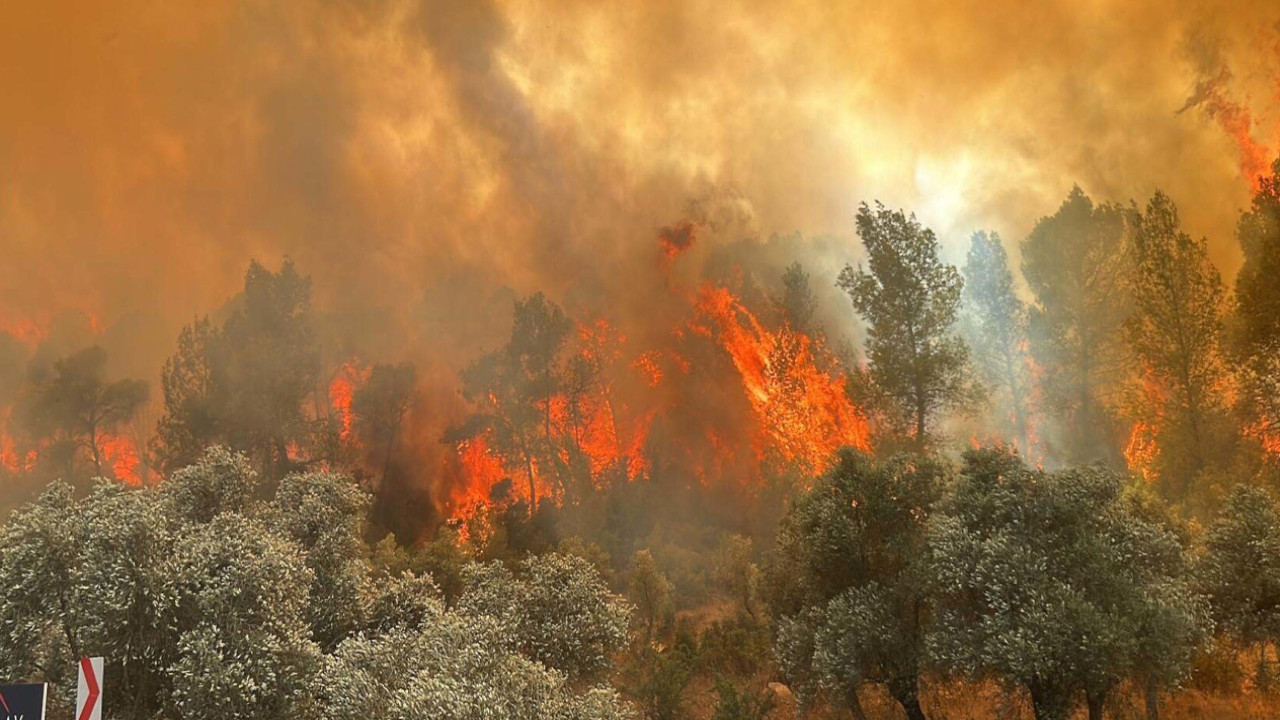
<point>89,693</point>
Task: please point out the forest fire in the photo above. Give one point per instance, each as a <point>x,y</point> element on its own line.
<point>595,427</point>
<point>640,361</point>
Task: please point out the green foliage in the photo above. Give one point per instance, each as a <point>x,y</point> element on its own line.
<point>454,668</point>
<point>324,513</point>
<point>124,582</point>
<point>220,482</point>
<point>237,602</point>
<point>558,610</point>
<point>650,591</point>
<point>846,580</point>
<point>1239,567</point>
<point>39,557</point>
<point>735,573</point>
<point>206,601</point>
<point>1058,583</point>
<point>1074,263</point>
<point>735,702</point>
<point>910,301</point>
<point>661,682</point>
<point>739,645</point>
<point>408,601</point>
<point>445,558</point>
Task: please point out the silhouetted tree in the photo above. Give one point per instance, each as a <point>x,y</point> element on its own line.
<point>190,423</point>
<point>73,405</point>
<point>1256,321</point>
<point>245,384</point>
<point>1073,262</point>
<point>798,305</point>
<point>910,301</point>
<point>379,407</point>
<point>1175,328</point>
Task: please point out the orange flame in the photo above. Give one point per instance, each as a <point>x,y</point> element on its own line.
<point>1142,451</point>
<point>802,411</point>
<point>342,391</point>
<point>121,453</point>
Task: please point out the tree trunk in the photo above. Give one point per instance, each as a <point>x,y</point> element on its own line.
<point>855,705</point>
<point>533,485</point>
<point>907,692</point>
<point>921,414</point>
<point>1045,701</point>
<point>1095,703</point>
<point>93,445</point>
<point>1263,680</point>
<point>1152,692</point>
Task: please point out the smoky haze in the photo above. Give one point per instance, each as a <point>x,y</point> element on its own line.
<point>427,162</point>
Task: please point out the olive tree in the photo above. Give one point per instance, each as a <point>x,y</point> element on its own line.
<point>1239,569</point>
<point>324,513</point>
<point>1056,582</point>
<point>845,581</point>
<point>558,609</point>
<point>238,609</point>
<point>457,667</point>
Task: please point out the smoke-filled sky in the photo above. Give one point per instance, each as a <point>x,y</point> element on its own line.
<point>423,155</point>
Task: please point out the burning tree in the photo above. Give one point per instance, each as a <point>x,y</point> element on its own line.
<point>910,300</point>
<point>515,389</point>
<point>1073,261</point>
<point>73,407</point>
<point>1178,304</point>
<point>1256,340</point>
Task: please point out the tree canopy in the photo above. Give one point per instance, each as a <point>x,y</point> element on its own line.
<point>910,300</point>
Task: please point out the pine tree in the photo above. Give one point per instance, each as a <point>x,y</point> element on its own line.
<point>1256,323</point>
<point>910,300</point>
<point>1178,302</point>
<point>1073,263</point>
